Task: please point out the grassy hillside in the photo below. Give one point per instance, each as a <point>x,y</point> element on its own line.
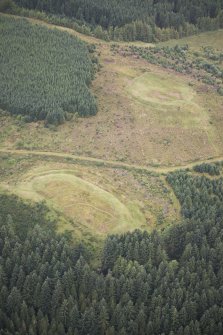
<point>213,39</point>
<point>49,286</point>
<point>94,201</point>
<point>45,74</point>
<point>139,119</point>
<point>148,116</point>
<point>111,224</point>
<point>127,20</point>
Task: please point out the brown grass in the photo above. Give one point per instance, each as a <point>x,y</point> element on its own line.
<point>127,128</point>
<point>97,200</point>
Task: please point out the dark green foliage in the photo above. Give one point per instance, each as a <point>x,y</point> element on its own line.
<point>6,5</point>
<point>165,13</point>
<point>25,215</point>
<point>169,283</point>
<point>220,91</point>
<point>201,202</point>
<point>136,19</point>
<point>211,169</point>
<point>61,20</point>
<point>44,73</point>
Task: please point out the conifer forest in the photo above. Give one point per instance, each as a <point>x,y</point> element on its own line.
<point>111,167</point>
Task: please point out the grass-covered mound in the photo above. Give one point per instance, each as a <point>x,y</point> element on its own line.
<point>100,211</point>
<point>203,64</point>
<point>44,73</point>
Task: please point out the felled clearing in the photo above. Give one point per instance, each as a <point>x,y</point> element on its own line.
<point>81,201</point>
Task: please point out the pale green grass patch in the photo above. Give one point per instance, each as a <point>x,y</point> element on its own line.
<point>213,39</point>
<point>170,98</point>
<point>98,210</point>
<point>160,89</point>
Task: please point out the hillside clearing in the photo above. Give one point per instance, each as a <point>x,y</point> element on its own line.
<point>82,201</point>
<point>210,38</point>
<point>125,128</point>
<point>98,200</point>
<point>171,98</point>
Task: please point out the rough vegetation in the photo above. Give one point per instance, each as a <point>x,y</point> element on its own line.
<point>111,225</point>
<point>94,200</point>
<point>160,283</point>
<point>204,65</point>
<point>147,21</point>
<point>211,169</point>
<point>128,127</point>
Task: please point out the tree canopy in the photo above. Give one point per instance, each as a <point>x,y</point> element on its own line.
<point>159,283</point>
<point>44,73</point>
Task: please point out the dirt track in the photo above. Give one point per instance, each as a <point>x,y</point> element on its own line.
<point>111,164</point>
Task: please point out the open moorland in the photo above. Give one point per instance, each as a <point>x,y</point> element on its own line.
<point>210,38</point>
<point>178,121</point>
<point>111,168</point>
<point>94,200</point>
<point>106,173</point>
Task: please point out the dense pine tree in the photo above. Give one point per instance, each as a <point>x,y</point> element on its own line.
<point>45,74</point>
<point>120,18</point>
<point>160,283</point>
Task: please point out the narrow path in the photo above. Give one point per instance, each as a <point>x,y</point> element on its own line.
<point>82,36</point>
<point>86,38</point>
<point>94,161</point>
<point>110,164</point>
